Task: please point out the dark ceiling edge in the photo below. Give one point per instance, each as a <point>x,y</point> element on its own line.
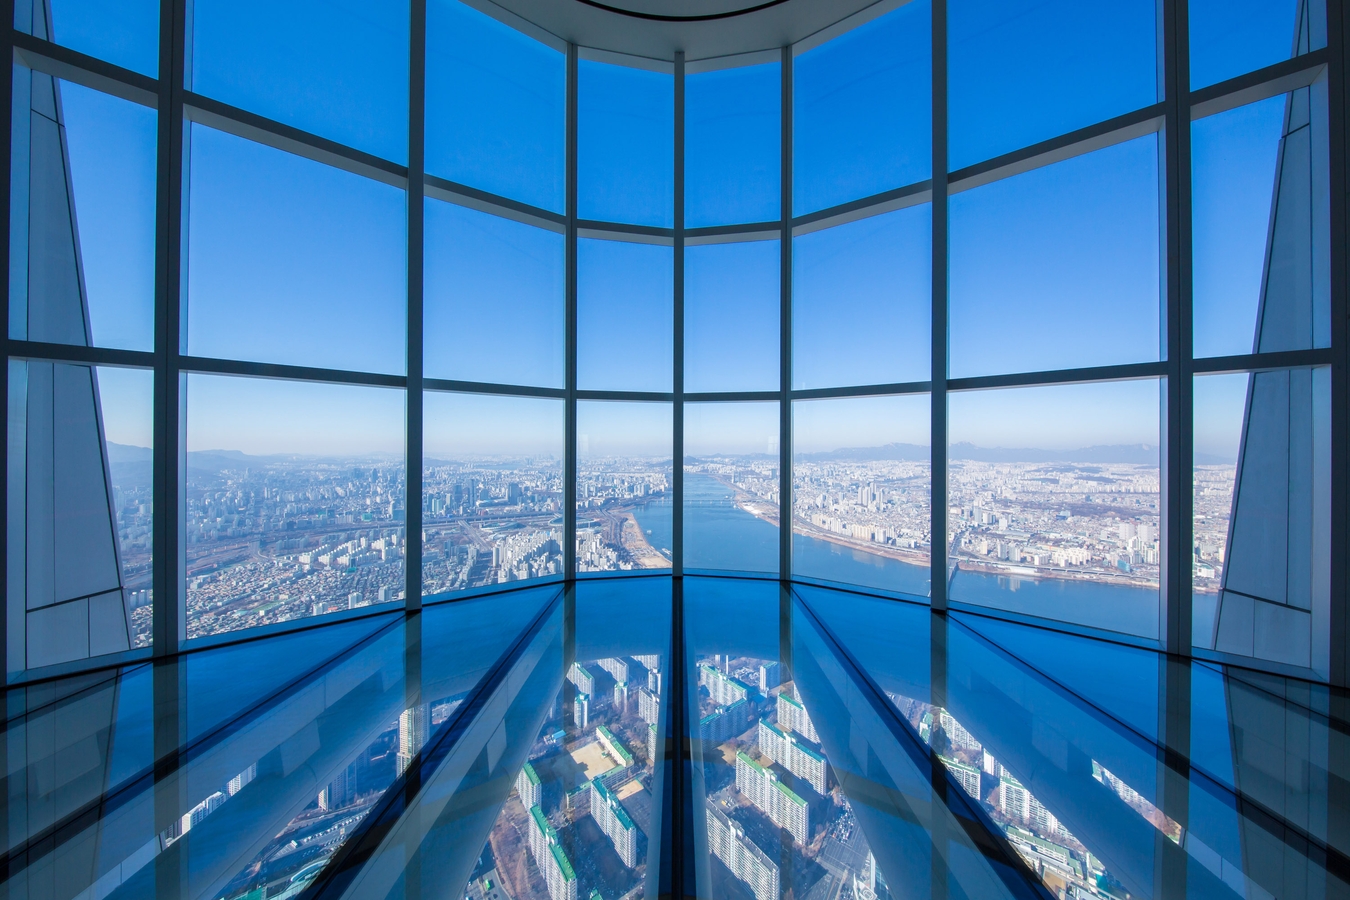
<point>655,17</point>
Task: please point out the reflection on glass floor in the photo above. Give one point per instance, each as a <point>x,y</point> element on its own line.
<point>514,747</point>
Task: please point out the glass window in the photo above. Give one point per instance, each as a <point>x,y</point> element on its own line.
<point>862,111</point>
<point>862,302</point>
<point>861,491</point>
<point>334,68</point>
<point>731,139</point>
<point>82,220</point>
<point>623,486</point>
<point>125,33</point>
<point>494,298</point>
<point>291,261</point>
<point>495,106</point>
<point>731,309</point>
<point>1054,499</point>
<point>625,144</point>
<point>80,511</point>
<point>1058,267</point>
<point>1260,224</point>
<point>731,486</point>
<point>294,500</point>
<point>1232,37</point>
<point>1027,70</point>
<point>625,316</point>
<point>1262,548</point>
<point>491,490</point>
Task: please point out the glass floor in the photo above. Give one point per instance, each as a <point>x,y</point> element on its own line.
<point>516,747</point>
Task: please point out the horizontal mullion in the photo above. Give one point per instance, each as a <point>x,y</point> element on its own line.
<point>708,233</point>
<point>1124,372</point>
<point>450,385</point>
<point>640,396</point>
<point>212,366</point>
<point>454,192</point>
<point>90,71</point>
<point>1270,81</point>
<point>731,396</point>
<point>618,228</point>
<point>1260,362</point>
<point>896,198</point>
<point>866,390</point>
<point>1056,149</point>
<point>73,353</point>
<point>261,129</point>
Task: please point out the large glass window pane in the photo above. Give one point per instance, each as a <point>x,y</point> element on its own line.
<point>494,298</point>
<point>335,68</point>
<point>731,309</point>
<point>861,491</point>
<point>79,491</point>
<point>862,111</point>
<point>495,105</point>
<point>625,144</point>
<point>1027,70</point>
<point>1231,37</point>
<point>1260,223</point>
<point>731,140</point>
<point>125,33</point>
<point>731,486</point>
<point>1054,499</point>
<point>294,500</point>
<point>625,316</point>
<point>82,216</point>
<point>291,261</point>
<point>491,490</point>
<point>1058,267</point>
<point>862,302</point>
<point>623,486</point>
<point>1261,566</point>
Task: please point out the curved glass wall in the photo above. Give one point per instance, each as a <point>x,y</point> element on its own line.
<point>293,333</point>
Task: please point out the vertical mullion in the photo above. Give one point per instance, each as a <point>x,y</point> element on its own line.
<point>417,65</point>
<point>1338,662</point>
<point>6,101</point>
<point>168,613</point>
<point>1176,481</point>
<point>785,325</point>
<point>938,552</point>
<point>569,491</point>
<point>677,383</point>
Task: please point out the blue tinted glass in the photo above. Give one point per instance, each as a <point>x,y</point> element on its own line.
<point>494,298</point>
<point>1054,502</point>
<point>625,315</point>
<point>495,104</point>
<point>731,486</point>
<point>731,144</point>
<point>292,261</point>
<point>731,307</point>
<point>625,144</point>
<point>1028,70</point>
<point>624,479</point>
<point>862,111</point>
<point>1234,166</point>
<point>862,301</point>
<point>335,68</point>
<point>1231,37</point>
<point>125,33</point>
<point>1058,267</point>
<point>861,491</point>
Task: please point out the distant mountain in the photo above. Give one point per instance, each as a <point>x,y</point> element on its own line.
<point>1137,454</point>
<point>128,453</point>
<point>901,452</point>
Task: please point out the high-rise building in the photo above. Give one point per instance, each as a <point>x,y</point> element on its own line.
<point>649,707</point>
<point>617,668</point>
<point>966,775</point>
<point>651,742</point>
<point>549,856</point>
<point>770,676</point>
<point>729,843</point>
<point>529,787</point>
<point>650,661</point>
<point>581,676</point>
<point>792,717</point>
<point>613,747</point>
<point>724,723</point>
<point>581,710</point>
<point>412,734</point>
<point>1012,799</point>
<point>957,735</point>
<point>773,798</point>
<point>788,751</point>
<point>723,689</point>
<point>615,822</point>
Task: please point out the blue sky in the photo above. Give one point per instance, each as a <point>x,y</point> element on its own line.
<point>289,260</point>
